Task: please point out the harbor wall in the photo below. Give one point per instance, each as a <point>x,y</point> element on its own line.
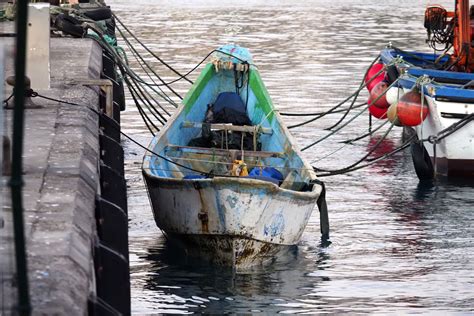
<point>74,192</point>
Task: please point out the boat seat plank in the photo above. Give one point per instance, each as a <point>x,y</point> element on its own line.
<point>230,127</point>
<point>226,152</point>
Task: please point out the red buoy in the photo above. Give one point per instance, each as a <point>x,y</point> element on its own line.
<point>371,73</point>
<point>376,111</point>
<point>410,111</point>
<point>380,90</point>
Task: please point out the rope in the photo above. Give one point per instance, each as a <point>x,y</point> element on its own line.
<point>346,99</point>
<point>35,94</point>
<point>148,103</point>
<point>364,157</point>
<point>350,120</point>
<point>350,141</point>
<point>441,135</point>
<point>332,110</point>
<point>431,139</point>
<point>207,174</point>
<point>434,139</point>
<point>151,52</point>
<point>125,69</point>
<point>142,113</point>
<point>5,102</point>
<point>357,94</point>
<point>371,161</point>
<point>322,113</point>
<point>140,58</point>
<point>136,55</point>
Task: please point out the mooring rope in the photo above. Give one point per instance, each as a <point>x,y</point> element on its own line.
<point>361,86</point>
<point>350,141</point>
<point>353,167</point>
<point>150,51</point>
<point>350,120</point>
<point>141,60</point>
<point>330,111</point>
<point>449,130</point>
<point>364,157</point>
<point>124,67</point>
<point>371,161</point>
<point>322,113</point>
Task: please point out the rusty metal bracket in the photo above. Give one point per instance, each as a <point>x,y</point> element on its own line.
<point>105,85</point>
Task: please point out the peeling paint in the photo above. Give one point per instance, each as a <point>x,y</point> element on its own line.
<point>232,200</point>
<point>276,227</point>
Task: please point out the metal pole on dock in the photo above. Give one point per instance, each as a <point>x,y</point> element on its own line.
<point>16,180</point>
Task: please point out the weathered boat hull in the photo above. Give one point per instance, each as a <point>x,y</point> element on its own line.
<point>239,222</point>
<point>230,251</point>
<point>198,198</point>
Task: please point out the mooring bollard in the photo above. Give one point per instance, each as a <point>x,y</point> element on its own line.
<point>29,104</point>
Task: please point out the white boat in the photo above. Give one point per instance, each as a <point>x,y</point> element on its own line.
<point>444,142</point>
<point>450,107</point>
<point>200,193</point>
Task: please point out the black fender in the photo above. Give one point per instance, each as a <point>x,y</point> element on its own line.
<point>69,25</point>
<point>392,74</point>
<point>98,14</point>
<point>421,161</point>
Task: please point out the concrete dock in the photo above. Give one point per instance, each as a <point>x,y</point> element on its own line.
<point>62,164</point>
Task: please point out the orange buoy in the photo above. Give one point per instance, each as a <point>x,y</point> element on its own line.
<point>410,111</point>
<point>379,90</point>
<point>371,73</point>
<point>376,111</point>
<point>392,115</point>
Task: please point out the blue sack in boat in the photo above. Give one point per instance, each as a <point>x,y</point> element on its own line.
<point>267,172</point>
<point>229,108</point>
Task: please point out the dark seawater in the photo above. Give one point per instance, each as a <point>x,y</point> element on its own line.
<point>397,246</point>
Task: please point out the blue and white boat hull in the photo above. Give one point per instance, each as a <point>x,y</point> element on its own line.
<point>450,99</point>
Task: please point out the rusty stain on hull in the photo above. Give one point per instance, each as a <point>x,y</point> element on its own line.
<point>202,215</point>
<point>237,252</point>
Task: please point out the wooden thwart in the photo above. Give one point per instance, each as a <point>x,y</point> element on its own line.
<point>230,127</point>
<point>226,152</point>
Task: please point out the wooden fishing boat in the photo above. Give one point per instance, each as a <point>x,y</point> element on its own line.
<point>230,190</point>
<point>442,118</point>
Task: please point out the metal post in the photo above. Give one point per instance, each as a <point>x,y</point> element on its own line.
<point>37,57</point>
<point>16,180</point>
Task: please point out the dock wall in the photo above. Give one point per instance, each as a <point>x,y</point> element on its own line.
<point>74,192</point>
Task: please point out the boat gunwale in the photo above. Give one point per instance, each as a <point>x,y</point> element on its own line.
<point>444,91</point>
<point>217,181</point>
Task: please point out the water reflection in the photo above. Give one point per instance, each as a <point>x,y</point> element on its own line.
<point>179,279</point>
